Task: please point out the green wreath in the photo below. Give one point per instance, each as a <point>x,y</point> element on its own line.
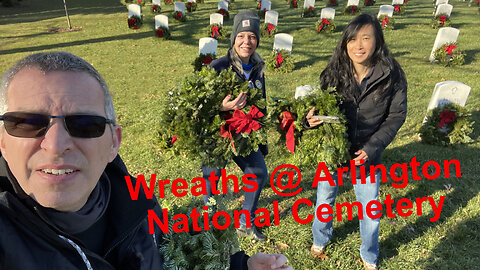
<point>325,26</point>
<point>203,60</point>
<point>332,3</point>
<point>309,12</point>
<point>368,2</point>
<point>261,13</point>
<point>191,113</point>
<point>447,125</point>
<point>156,8</point>
<point>441,20</point>
<point>135,22</point>
<point>225,13</point>
<point>387,23</point>
<point>293,3</point>
<point>280,61</point>
<point>191,6</point>
<point>179,16</point>
<point>449,55</point>
<point>168,2</point>
<point>268,30</point>
<point>216,31</point>
<point>351,10</point>
<point>162,32</point>
<point>398,10</point>
<point>326,143</point>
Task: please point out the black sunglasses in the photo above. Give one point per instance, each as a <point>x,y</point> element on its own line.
<point>34,125</point>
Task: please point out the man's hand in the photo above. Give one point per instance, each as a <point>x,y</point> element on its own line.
<point>236,104</point>
<point>313,121</point>
<point>262,261</point>
<point>360,155</point>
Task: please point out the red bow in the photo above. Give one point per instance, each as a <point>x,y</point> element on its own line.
<point>478,2</point>
<point>279,60</point>
<point>190,4</point>
<point>215,32</point>
<point>332,2</point>
<point>324,22</point>
<point>179,15</point>
<point>154,8</point>
<point>207,60</point>
<point>222,11</point>
<point>169,1</point>
<point>354,8</point>
<point>385,21</point>
<point>260,5</point>
<point>139,1</point>
<point>446,117</point>
<point>132,23</point>
<point>174,139</point>
<point>310,9</point>
<point>397,8</point>
<point>294,2</point>
<point>159,33</point>
<point>450,49</point>
<point>245,123</point>
<point>270,27</point>
<point>287,124</point>
<point>367,2</point>
<point>442,19</point>
<point>404,1</point>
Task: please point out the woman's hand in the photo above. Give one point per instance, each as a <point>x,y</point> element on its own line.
<point>313,121</point>
<point>236,104</point>
<point>360,155</point>
<point>262,261</point>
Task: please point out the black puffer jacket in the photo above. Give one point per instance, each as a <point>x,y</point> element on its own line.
<point>27,241</point>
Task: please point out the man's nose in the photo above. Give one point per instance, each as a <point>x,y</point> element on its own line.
<point>57,140</point>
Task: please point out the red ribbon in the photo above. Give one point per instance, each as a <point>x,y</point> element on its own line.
<point>279,60</point>
<point>354,8</point>
<point>442,19</point>
<point>385,21</point>
<point>446,117</point>
<point>478,2</point>
<point>367,2</point>
<point>215,32</point>
<point>397,8</point>
<point>190,4</point>
<point>450,49</point>
<point>294,2</point>
<point>159,33</point>
<point>154,8</point>
<point>139,1</point>
<point>132,23</point>
<point>404,1</point>
<point>179,15</point>
<point>332,2</point>
<point>245,123</point>
<point>169,1</point>
<point>207,60</point>
<point>270,27</point>
<point>287,124</point>
<point>222,11</point>
<point>174,139</point>
<point>260,5</point>
<point>310,9</point>
<point>324,22</point>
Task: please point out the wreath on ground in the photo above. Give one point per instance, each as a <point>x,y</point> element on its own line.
<point>474,3</point>
<point>293,3</point>
<point>441,20</point>
<point>388,23</point>
<point>309,12</point>
<point>280,61</point>
<point>203,60</point>
<point>369,2</point>
<point>135,22</point>
<point>216,31</point>
<point>179,16</point>
<point>449,55</point>
<point>325,26</point>
<point>351,10</point>
<point>162,32</point>
<point>447,125</point>
<point>268,30</point>
<point>156,8</point>
<point>191,6</point>
<point>168,2</point>
<point>205,249</point>
<point>225,13</point>
<point>326,143</point>
<point>261,13</point>
<point>398,10</point>
<point>191,113</point>
<point>332,3</point>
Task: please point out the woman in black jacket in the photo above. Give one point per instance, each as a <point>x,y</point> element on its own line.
<point>374,91</point>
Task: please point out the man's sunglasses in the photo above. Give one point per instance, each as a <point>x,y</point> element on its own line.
<point>34,125</point>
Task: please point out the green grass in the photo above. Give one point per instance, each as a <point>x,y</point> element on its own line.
<point>140,69</point>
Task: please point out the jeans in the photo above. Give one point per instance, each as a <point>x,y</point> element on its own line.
<point>322,232</point>
<point>253,163</point>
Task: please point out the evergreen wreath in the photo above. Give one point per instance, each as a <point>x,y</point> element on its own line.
<point>398,9</point>
<point>191,112</point>
<point>280,61</point>
<point>191,6</point>
<point>203,60</point>
<point>268,30</point>
<point>328,142</point>
<point>135,22</point>
<point>156,8</point>
<point>162,32</point>
<point>216,31</point>
<point>168,2</point>
<point>225,13</point>
<point>293,3</point>
<point>387,23</point>
<point>261,13</point>
<point>369,2</point>
<point>447,125</point>
<point>441,20</point>
<point>449,55</point>
<point>325,26</point>
<point>199,250</point>
<point>332,3</point>
<point>179,16</point>
<point>309,12</point>
<point>351,10</point>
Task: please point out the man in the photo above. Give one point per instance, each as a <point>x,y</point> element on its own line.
<point>64,203</point>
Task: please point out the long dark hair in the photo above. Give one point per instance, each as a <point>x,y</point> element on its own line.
<point>339,71</point>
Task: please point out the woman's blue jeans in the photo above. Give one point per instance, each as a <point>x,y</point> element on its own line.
<point>322,231</point>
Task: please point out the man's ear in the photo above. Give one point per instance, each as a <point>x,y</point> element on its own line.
<point>2,142</point>
<point>116,140</point>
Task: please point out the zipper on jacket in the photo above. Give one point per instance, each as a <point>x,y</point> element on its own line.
<point>79,250</point>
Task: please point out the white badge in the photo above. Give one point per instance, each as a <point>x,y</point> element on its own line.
<point>245,23</point>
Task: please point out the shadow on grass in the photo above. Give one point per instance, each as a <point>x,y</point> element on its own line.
<point>470,56</point>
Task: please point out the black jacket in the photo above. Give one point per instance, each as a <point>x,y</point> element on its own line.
<point>29,241</point>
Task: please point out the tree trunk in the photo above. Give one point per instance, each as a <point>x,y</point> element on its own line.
<point>66,13</point>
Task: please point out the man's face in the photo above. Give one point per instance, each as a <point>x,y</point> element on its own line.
<point>77,162</point>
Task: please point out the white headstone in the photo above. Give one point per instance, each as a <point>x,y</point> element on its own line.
<point>266,4</point>
<point>134,10</point>
<point>180,7</point>
<point>157,2</point>
<point>283,42</point>
<point>309,3</point>
<point>303,90</point>
<point>386,10</point>
<point>327,13</point>
<point>271,17</point>
<point>439,2</point>
<point>207,45</point>
<point>216,18</point>
<point>448,92</point>
<point>444,35</point>
<point>445,9</point>
<point>222,4</point>
<point>397,2</point>
<point>352,3</point>
<point>161,20</point>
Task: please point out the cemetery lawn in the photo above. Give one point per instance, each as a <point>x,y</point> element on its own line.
<point>140,69</point>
